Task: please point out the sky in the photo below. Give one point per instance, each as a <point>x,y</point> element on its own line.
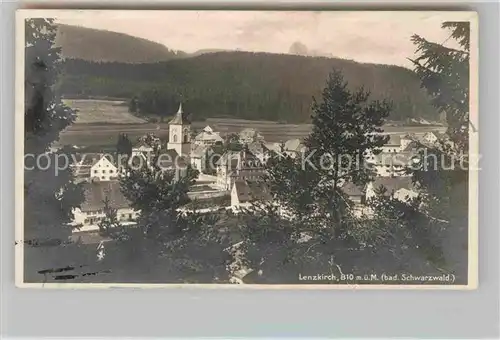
<point>371,37</point>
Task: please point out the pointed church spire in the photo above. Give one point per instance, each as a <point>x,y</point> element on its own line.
<point>180,117</point>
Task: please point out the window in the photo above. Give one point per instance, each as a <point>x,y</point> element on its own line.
<point>175,138</point>
<point>185,137</point>
<point>103,177</point>
<point>104,171</point>
<point>96,171</point>
<point>86,221</point>
<point>110,171</point>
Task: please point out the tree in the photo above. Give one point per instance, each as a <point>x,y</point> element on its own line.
<point>109,226</point>
<point>346,125</point>
<point>193,133</point>
<point>132,106</point>
<point>232,142</point>
<point>443,169</point>
<point>403,227</point>
<point>151,140</point>
<point>49,191</point>
<point>444,73</point>
<point>123,145</point>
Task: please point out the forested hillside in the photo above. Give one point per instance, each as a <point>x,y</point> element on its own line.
<point>242,85</point>
<point>106,46</point>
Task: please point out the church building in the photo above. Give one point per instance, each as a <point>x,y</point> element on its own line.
<point>179,134</point>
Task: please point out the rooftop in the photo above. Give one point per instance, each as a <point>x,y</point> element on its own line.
<point>180,117</point>
<point>394,140</point>
<point>294,145</point>
<point>171,159</point>
<point>96,192</point>
<point>251,190</point>
<point>351,189</point>
<point>393,184</point>
<point>208,136</point>
<point>199,150</point>
<point>89,159</point>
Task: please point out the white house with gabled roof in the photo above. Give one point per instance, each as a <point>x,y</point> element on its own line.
<point>208,137</point>
<point>103,169</point>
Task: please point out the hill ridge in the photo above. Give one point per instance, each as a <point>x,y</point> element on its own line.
<point>78,42</point>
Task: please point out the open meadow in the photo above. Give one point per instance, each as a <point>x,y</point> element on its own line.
<point>102,111</point>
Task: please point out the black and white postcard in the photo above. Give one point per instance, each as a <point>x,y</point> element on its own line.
<point>226,148</point>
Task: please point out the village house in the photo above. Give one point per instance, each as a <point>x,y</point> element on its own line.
<point>434,137</point>
<point>407,140</point>
<point>400,188</point>
<point>170,160</point>
<point>237,165</point>
<point>355,193</point>
<point>244,192</point>
<point>250,135</point>
<point>260,150</point>
<point>104,169</point>
<point>208,137</point>
<point>357,196</point>
<point>294,147</point>
<point>142,149</point>
<point>94,167</point>
<point>273,146</point>
<point>392,164</point>
<point>199,155</point>
<point>430,137</point>
<point>91,211</point>
<point>392,145</point>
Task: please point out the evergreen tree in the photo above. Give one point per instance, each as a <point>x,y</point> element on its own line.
<point>109,226</point>
<point>442,173</point>
<point>49,191</point>
<point>151,140</point>
<point>232,142</point>
<point>123,145</point>
<point>346,125</point>
<point>132,106</point>
<point>444,73</point>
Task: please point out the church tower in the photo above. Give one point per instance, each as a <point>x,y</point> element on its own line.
<point>179,133</point>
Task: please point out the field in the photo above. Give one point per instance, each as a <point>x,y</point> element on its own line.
<point>101,121</point>
<point>102,111</point>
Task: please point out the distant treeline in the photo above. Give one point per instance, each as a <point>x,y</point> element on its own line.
<point>241,85</point>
